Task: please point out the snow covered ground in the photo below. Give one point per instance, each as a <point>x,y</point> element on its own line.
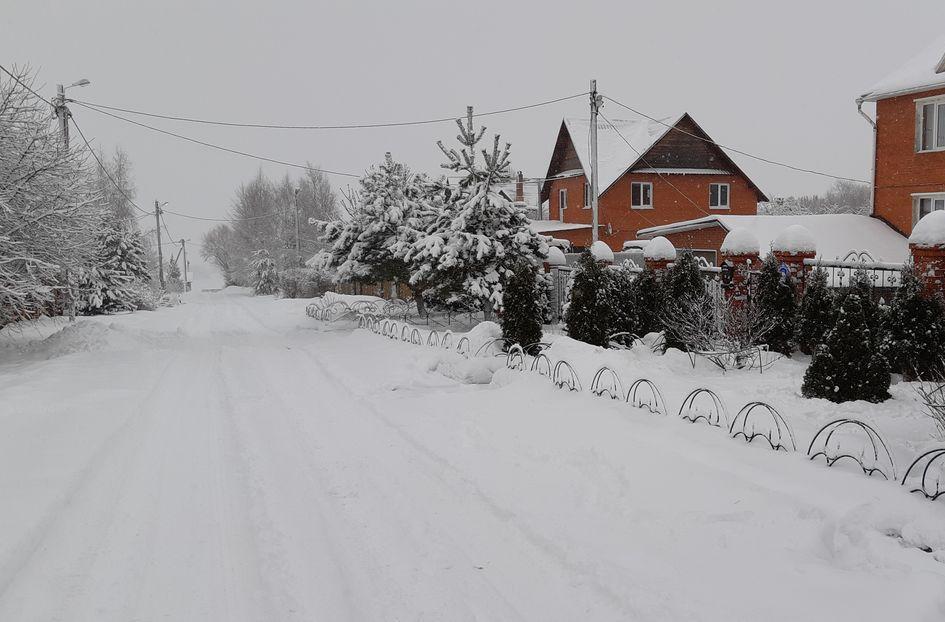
<point>232,459</point>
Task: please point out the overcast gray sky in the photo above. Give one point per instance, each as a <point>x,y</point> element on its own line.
<point>773,78</point>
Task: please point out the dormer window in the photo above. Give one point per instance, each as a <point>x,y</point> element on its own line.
<point>930,124</point>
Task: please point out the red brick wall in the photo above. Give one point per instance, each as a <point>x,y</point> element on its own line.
<point>670,204</point>
<point>900,171</point>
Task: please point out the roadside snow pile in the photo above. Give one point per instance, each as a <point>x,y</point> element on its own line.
<point>740,241</point>
<point>479,370</point>
<point>86,336</point>
<point>929,232</point>
<point>795,239</point>
<point>659,249</point>
<point>602,252</point>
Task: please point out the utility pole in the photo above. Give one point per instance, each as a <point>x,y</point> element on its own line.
<point>62,113</point>
<point>596,102</point>
<point>157,228</point>
<point>183,248</point>
<point>298,230</point>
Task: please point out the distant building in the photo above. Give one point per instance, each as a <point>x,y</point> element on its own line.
<point>909,164</point>
<point>650,173</point>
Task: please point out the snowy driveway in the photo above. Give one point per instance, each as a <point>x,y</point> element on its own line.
<point>230,460</point>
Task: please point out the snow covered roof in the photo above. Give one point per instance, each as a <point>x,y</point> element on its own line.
<point>835,234</point>
<point>547,226</point>
<point>923,71</point>
<point>614,155</point>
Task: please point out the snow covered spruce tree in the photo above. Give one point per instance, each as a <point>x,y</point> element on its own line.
<point>479,236</point>
<point>685,291</point>
<point>626,317</point>
<point>777,307</point>
<point>174,282</point>
<point>815,315</point>
<point>914,340</point>
<point>265,276</point>
<point>847,366</point>
<point>111,280</point>
<point>590,314</point>
<point>522,310</point>
<point>649,301</point>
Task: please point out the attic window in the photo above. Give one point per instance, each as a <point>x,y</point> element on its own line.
<point>930,124</point>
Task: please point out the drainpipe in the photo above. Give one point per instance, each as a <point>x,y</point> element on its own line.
<point>859,109</point>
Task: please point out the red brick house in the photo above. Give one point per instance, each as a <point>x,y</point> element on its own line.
<point>651,173</point>
<point>909,133</point>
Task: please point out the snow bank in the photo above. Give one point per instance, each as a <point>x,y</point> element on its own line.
<point>795,239</point>
<point>481,333</point>
<point>929,232</point>
<point>479,370</point>
<point>556,257</point>
<point>602,252</point>
<point>740,241</point>
<point>659,249</point>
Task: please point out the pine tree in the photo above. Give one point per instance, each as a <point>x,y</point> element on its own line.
<point>649,297</point>
<point>119,264</point>
<point>685,289</point>
<point>477,236</point>
<point>590,316</point>
<point>522,311</point>
<point>914,340</point>
<point>776,306</point>
<point>847,367</point>
<point>174,283</point>
<point>815,315</point>
<point>623,297</point>
<point>265,276</point>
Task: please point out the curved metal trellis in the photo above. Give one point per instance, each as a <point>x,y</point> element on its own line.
<point>433,339</point>
<point>758,419</point>
<point>416,338</point>
<point>534,348</point>
<point>880,461</point>
<point>462,346</point>
<point>490,345</point>
<point>392,329</point>
<point>623,340</point>
<point>446,341</point>
<point>571,380</point>
<point>644,394</point>
<point>703,404</point>
<point>934,461</point>
<point>515,359</point>
<point>607,381</point>
<point>542,364</point>
<point>405,333</point>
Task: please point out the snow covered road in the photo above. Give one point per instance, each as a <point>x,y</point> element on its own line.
<point>233,460</point>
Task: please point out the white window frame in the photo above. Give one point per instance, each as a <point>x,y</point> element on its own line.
<point>932,196</point>
<point>587,195</point>
<point>938,103</point>
<point>642,205</point>
<point>728,195</point>
<point>562,202</point>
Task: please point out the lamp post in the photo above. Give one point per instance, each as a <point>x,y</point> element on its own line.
<point>62,111</point>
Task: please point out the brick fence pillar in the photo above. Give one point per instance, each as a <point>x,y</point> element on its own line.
<point>741,253</point>
<point>658,254</point>
<point>790,249</point>
<point>927,245</point>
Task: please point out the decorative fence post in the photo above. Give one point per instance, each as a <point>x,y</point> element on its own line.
<point>602,253</point>
<point>658,254</point>
<point>927,245</point>
<point>740,252</point>
<point>555,258</point>
<point>791,248</point>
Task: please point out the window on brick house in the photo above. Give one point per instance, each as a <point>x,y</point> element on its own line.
<point>587,196</point>
<point>562,203</point>
<point>930,124</point>
<point>641,195</point>
<point>925,204</point>
<point>718,196</point>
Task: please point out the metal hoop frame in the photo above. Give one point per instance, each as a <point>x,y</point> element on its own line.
<point>655,404</point>
<point>773,433</point>
<point>717,416</point>
<point>433,339</point>
<point>415,337</point>
<point>542,364</point>
<point>515,359</point>
<point>613,388</point>
<point>875,440</point>
<point>485,346</point>
<point>571,381</point>
<point>930,457</point>
<point>463,341</point>
<point>446,341</point>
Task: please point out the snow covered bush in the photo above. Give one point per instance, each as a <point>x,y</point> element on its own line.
<point>110,281</point>
<point>914,340</point>
<point>522,311</point>
<point>685,290</point>
<point>590,314</point>
<point>626,315</point>
<point>649,300</point>
<point>848,366</point>
<point>305,282</point>
<point>476,237</point>
<point>815,315</point>
<point>265,278</point>
<point>774,297</point>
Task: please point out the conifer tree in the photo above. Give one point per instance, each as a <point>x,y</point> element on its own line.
<point>174,283</point>
<point>776,307</point>
<point>649,301</point>
<point>265,276</point>
<point>914,340</point>
<point>846,367</point>
<point>815,315</point>
<point>522,311</point>
<point>589,317</point>
<point>119,264</point>
<point>623,298</point>
<point>685,289</point>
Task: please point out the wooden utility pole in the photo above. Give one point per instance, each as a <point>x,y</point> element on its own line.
<point>157,228</point>
<point>62,113</point>
<point>596,102</point>
<point>298,230</point>
<point>183,249</point>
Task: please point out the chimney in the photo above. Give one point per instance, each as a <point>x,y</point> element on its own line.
<point>520,190</point>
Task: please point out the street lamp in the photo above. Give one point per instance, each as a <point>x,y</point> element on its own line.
<point>62,111</point>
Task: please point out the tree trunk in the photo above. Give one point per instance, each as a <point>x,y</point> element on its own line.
<point>418,299</point>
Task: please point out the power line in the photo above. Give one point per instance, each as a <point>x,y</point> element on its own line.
<point>25,86</point>
<point>218,147</point>
<point>744,153</point>
<point>350,126</point>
